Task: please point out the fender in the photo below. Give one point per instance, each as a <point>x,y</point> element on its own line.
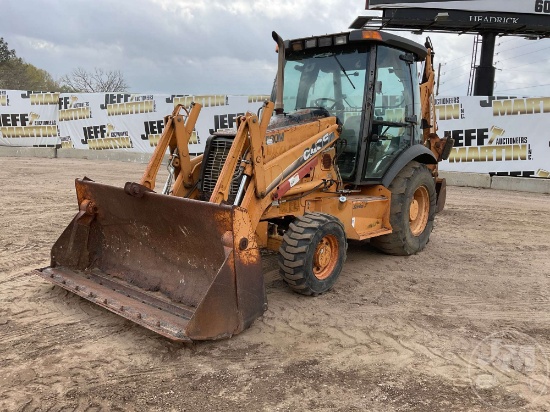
<point>417,152</point>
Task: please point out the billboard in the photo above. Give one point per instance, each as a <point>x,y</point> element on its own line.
<point>502,6</point>
<point>503,135</point>
<point>526,17</point>
<point>131,122</point>
<point>28,118</point>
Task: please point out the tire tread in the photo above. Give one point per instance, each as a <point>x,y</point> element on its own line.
<point>296,242</point>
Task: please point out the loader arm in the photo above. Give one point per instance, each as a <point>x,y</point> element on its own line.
<point>175,137</point>
<point>185,268</point>
<point>266,169</point>
<point>283,171</point>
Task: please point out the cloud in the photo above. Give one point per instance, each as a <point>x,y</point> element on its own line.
<point>167,45</point>
<point>194,46</point>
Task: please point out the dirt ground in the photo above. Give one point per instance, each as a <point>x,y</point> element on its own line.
<point>462,326</point>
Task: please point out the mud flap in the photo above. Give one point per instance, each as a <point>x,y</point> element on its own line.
<point>186,269</point>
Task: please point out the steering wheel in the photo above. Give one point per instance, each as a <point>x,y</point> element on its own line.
<point>322,102</point>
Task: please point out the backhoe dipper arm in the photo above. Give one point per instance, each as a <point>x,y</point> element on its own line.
<point>429,122</point>
<point>441,148</point>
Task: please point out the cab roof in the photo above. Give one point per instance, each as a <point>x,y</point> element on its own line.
<point>376,36</point>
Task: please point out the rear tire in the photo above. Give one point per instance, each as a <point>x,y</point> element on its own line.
<point>312,253</point>
<point>413,207</point>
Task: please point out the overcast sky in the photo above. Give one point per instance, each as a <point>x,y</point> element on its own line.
<point>224,47</point>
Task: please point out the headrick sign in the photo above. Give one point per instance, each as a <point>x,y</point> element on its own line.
<point>504,16</point>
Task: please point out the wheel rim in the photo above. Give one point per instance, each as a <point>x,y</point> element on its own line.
<point>419,210</point>
<point>325,257</point>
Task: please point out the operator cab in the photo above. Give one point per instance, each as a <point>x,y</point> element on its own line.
<point>369,81</point>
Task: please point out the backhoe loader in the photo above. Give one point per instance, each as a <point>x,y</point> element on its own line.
<point>346,148</point>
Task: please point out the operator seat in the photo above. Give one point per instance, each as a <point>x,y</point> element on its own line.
<point>350,133</point>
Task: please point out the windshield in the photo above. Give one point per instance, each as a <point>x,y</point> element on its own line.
<point>333,80</point>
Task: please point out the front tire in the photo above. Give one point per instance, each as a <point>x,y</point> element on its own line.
<point>312,253</point>
<point>413,207</point>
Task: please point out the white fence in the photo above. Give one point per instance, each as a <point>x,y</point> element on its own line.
<point>109,121</point>
<point>496,135</point>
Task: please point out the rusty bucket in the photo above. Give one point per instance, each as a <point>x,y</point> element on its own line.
<point>186,269</point>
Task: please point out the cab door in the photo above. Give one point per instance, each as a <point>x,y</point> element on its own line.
<point>394,120</point>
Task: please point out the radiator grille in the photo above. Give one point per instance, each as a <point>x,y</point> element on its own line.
<point>217,154</point>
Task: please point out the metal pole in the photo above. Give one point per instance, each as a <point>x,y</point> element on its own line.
<point>438,77</point>
<point>485,72</point>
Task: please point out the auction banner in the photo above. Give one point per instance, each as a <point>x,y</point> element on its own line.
<point>28,118</point>
<point>496,135</point>
<point>502,6</point>
<point>111,121</point>
<point>135,122</point>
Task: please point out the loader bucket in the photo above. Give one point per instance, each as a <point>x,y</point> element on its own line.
<point>186,269</point>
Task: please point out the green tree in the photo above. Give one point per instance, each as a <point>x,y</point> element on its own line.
<point>39,80</point>
<point>5,53</point>
<point>16,74</point>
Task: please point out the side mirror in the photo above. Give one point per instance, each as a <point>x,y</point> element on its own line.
<point>407,57</point>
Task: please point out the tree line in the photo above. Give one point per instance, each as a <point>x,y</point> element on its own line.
<point>17,74</point>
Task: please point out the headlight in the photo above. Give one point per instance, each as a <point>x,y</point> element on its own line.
<point>340,40</point>
<point>325,41</point>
